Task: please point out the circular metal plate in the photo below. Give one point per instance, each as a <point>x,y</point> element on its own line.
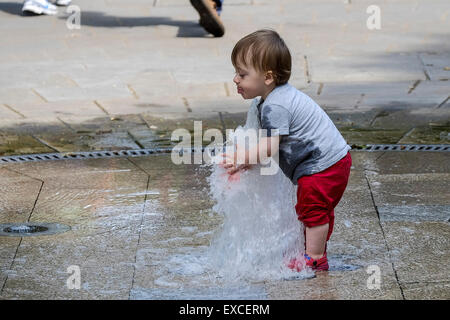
<point>29,229</point>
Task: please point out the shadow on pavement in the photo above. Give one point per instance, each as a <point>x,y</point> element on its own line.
<point>100,19</point>
<point>12,7</point>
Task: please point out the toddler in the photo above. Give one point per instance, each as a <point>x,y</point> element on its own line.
<point>311,151</point>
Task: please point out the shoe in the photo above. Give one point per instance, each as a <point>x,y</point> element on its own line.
<point>297,264</point>
<point>63,2</point>
<point>39,7</point>
<point>209,18</point>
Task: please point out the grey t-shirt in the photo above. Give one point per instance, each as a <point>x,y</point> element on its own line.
<point>310,142</point>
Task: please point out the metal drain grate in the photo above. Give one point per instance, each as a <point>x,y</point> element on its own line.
<point>402,147</point>
<point>28,229</point>
<point>155,151</point>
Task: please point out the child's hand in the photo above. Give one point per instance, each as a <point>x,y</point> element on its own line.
<point>230,163</point>
<point>235,169</point>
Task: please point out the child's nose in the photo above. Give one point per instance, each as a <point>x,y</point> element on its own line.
<point>235,79</point>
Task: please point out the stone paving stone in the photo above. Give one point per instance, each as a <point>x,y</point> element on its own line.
<point>53,136</point>
<point>411,162</point>
<point>107,133</point>
<point>406,119</point>
<point>154,106</point>
<point>148,139</point>
<point>228,104</point>
<point>411,189</point>
<point>427,96</point>
<point>393,67</point>
<point>248,292</point>
<point>175,188</point>
<point>437,65</point>
<point>210,120</point>
<point>102,276</point>
<point>427,290</point>
<point>431,134</point>
<point>329,286</point>
<point>165,129</point>
<point>418,250</point>
<point>11,144</point>
<point>95,167</point>
<point>233,120</point>
<point>408,213</point>
<point>355,94</point>
<point>153,84</point>
<point>347,118</point>
<point>7,113</point>
<point>13,95</point>
<point>363,136</point>
<point>410,178</point>
<point>212,90</point>
<point>210,72</point>
<point>42,73</point>
<point>114,141</point>
<point>7,252</point>
<point>57,108</point>
<point>18,196</point>
<point>393,187</point>
<point>100,92</point>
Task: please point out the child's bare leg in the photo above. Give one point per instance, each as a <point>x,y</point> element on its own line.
<point>316,239</point>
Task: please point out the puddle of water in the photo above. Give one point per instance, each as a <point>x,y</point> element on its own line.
<point>415,213</point>
<point>340,263</point>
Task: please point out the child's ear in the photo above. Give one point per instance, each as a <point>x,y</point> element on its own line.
<point>269,78</point>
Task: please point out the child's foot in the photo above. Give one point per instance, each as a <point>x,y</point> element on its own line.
<point>297,264</point>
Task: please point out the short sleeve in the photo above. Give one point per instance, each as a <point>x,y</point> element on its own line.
<point>275,117</point>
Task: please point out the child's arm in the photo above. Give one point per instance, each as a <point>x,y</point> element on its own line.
<point>243,159</point>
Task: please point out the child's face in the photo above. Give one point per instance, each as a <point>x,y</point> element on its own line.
<point>249,82</point>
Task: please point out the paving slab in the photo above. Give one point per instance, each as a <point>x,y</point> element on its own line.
<point>59,108</point>
<point>393,67</point>
<point>21,144</point>
<point>18,196</point>
<point>107,194</point>
<point>402,187</point>
<point>427,290</point>
<point>437,66</point>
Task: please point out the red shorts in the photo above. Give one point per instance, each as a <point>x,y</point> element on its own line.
<point>319,193</point>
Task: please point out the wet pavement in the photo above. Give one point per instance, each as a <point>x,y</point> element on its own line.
<point>140,226</point>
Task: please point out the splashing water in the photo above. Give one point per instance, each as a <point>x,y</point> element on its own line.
<point>260,232</point>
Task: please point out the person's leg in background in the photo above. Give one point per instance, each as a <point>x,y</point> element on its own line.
<point>209,11</point>
<point>218,6</point>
